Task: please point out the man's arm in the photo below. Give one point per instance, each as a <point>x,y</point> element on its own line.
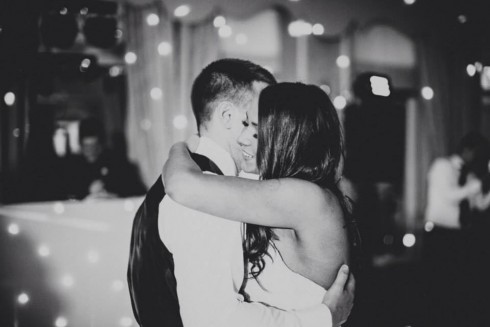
<point>218,303</point>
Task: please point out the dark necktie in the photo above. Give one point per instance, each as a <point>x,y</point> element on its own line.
<point>464,205</point>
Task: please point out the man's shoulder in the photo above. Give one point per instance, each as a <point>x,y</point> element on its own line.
<point>174,215</point>
<point>441,163</point>
<point>442,168</point>
<point>206,164</point>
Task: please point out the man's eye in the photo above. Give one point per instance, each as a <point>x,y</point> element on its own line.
<point>245,123</point>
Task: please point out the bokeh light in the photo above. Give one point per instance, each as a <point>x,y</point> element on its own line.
<point>318,29</point>
<point>164,48</point>
<point>339,102</point>
<point>180,122</point>
<point>225,31</point>
<point>23,298</point>
<point>152,19</point>
<point>427,93</point>
<point>61,322</point>
<point>408,240</point>
<point>130,58</point>
<point>343,61</point>
<point>429,226</point>
<point>13,229</point>
<point>299,28</point>
<point>182,11</point>
<point>59,208</point>
<point>9,98</point>
<point>43,250</point>
<point>156,93</point>
<point>219,21</point>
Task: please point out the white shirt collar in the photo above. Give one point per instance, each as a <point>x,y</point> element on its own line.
<point>207,147</point>
<point>254,176</point>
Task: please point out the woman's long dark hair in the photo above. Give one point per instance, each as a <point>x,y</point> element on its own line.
<point>300,136</point>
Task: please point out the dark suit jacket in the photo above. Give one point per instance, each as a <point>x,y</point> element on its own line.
<point>151,280</point>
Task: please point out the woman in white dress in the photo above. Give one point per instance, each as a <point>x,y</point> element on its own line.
<point>294,142</point>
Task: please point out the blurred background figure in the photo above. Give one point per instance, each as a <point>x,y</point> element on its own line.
<point>448,217</point>
<point>98,172</point>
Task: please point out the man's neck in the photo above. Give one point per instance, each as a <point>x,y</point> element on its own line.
<point>216,138</point>
<point>212,149</point>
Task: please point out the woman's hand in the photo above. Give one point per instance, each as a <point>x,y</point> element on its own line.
<point>171,167</point>
<point>178,171</point>
<point>179,157</point>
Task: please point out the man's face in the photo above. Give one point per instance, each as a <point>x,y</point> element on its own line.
<point>244,147</point>
<point>91,148</point>
<point>248,141</point>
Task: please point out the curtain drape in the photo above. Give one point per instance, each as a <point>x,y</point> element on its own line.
<point>426,134</point>
<point>159,83</point>
<point>198,45</point>
<point>148,123</point>
<point>435,126</point>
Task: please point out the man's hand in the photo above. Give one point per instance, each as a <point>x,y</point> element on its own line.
<point>473,186</point>
<point>340,297</point>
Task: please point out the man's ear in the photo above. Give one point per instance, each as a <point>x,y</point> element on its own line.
<point>226,110</point>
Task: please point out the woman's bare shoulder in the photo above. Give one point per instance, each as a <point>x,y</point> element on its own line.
<point>318,204</point>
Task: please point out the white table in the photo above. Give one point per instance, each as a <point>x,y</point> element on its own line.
<point>70,259</point>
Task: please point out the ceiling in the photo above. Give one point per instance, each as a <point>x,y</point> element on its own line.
<point>336,15</point>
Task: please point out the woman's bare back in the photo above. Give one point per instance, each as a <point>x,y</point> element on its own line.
<point>316,252</point>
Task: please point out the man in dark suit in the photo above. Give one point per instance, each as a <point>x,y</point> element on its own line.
<point>202,287</point>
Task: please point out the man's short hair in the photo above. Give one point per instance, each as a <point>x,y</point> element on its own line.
<point>472,141</point>
<point>225,79</point>
<point>91,127</point>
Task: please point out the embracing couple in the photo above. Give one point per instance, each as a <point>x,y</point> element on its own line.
<point>213,249</point>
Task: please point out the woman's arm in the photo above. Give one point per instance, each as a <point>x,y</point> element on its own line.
<point>482,201</point>
<point>285,202</point>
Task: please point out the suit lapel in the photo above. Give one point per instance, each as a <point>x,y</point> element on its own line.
<point>151,279</point>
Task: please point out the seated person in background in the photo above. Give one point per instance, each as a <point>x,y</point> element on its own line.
<point>99,172</point>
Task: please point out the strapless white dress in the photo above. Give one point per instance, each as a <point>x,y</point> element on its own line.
<point>280,287</point>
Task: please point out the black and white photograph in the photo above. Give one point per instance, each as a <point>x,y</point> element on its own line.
<point>237,163</point>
